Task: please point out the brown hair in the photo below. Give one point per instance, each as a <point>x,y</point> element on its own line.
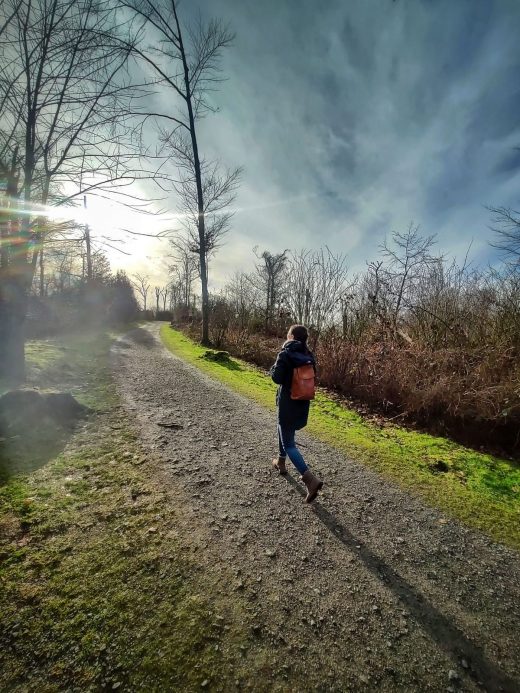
<point>298,332</point>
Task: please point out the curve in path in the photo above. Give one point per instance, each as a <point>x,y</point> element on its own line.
<point>368,585</point>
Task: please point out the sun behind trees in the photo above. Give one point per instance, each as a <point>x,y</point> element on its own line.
<point>64,130</point>
<point>76,83</point>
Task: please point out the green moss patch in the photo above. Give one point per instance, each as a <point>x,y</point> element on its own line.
<point>41,354</point>
<point>479,489</point>
<point>95,588</point>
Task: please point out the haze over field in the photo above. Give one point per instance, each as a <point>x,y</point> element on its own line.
<point>357,118</point>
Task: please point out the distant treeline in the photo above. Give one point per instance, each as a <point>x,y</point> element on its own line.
<point>416,335</point>
<point>66,298</point>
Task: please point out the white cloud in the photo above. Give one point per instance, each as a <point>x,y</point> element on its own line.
<point>354,119</point>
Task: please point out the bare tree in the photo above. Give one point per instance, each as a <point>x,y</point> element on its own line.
<point>165,292</point>
<point>268,279</point>
<point>505,287</point>
<point>187,61</point>
<point>243,298</point>
<point>185,269</point>
<point>439,306</point>
<point>61,92</point>
<point>157,292</point>
<point>506,225</point>
<point>142,285</point>
<point>317,282</point>
<point>407,258</point>
<point>64,267</point>
<point>175,292</point>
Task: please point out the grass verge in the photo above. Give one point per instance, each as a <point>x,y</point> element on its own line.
<point>97,589</point>
<point>481,490</point>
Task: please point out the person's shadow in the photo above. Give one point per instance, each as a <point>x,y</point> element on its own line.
<point>440,628</point>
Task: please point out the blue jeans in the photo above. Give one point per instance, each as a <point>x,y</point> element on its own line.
<point>288,448</point>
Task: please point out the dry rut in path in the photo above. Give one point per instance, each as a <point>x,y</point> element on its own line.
<point>367,588</point>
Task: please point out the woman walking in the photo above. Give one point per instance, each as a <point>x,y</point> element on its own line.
<point>293,401</point>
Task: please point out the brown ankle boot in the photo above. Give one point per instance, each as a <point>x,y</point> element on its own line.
<point>279,465</point>
<point>313,485</point>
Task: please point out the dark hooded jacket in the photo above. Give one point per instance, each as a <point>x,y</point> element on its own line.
<point>292,413</point>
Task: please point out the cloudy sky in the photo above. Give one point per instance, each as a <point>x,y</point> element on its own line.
<point>353,118</point>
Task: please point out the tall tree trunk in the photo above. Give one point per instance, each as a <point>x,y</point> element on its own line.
<point>200,197</point>
<point>205,301</point>
<point>16,275</point>
<point>4,234</point>
<point>87,245</point>
<point>267,304</point>
<point>13,308</point>
<point>42,274</point>
<point>15,283</point>
<point>89,254</point>
<point>12,342</point>
<point>38,255</point>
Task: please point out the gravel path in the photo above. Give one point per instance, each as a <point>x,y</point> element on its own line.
<point>367,589</point>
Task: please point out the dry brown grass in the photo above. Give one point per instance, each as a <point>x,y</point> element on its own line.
<point>472,394</point>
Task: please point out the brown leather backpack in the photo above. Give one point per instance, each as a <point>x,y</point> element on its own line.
<point>302,385</point>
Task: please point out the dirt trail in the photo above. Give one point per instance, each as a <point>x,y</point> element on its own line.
<point>367,588</point>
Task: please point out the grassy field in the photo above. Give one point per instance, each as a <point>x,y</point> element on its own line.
<point>481,490</point>
<point>97,589</point>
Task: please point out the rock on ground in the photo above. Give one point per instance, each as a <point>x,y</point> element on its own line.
<point>22,410</point>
